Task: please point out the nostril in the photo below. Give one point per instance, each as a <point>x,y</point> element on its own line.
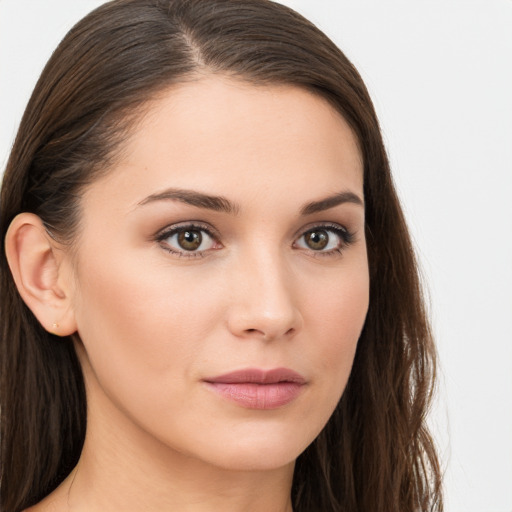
<point>269,336</point>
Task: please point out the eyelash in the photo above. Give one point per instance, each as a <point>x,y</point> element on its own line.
<point>176,229</point>
<point>345,236</point>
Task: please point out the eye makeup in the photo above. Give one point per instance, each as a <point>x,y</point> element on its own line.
<point>192,239</point>
<point>188,239</point>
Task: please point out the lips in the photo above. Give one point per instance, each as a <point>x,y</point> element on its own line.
<point>258,389</point>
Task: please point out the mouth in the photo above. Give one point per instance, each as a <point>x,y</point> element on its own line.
<point>253,388</point>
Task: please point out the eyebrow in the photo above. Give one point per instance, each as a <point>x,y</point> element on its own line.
<point>331,202</point>
<point>221,204</point>
<point>198,199</point>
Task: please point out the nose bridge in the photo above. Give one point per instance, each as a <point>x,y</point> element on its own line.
<point>264,303</point>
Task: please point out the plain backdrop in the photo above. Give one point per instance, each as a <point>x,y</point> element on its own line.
<point>440,74</point>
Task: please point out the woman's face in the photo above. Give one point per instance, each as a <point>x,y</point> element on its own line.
<point>221,276</point>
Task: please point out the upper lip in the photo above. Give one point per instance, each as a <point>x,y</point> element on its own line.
<point>259,376</point>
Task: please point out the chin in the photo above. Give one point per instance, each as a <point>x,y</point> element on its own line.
<point>256,450</point>
<point>256,460</point>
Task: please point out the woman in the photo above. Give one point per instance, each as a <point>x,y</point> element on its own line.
<point>209,296</point>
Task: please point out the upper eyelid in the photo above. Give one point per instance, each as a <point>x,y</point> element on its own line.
<point>322,224</point>
<point>171,228</point>
<point>208,227</point>
<point>171,231</point>
<point>214,233</point>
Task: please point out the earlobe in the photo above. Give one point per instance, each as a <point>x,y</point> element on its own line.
<point>37,267</point>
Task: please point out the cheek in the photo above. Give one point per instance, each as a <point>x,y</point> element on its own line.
<point>140,323</point>
<point>147,329</point>
<point>338,317</point>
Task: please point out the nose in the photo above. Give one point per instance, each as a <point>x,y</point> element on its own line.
<point>264,301</point>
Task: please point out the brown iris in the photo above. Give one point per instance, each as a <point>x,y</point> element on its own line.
<point>317,240</point>
<point>190,240</point>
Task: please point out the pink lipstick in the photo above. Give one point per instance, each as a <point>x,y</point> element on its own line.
<point>258,389</point>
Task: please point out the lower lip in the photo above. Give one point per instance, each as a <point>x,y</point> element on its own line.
<point>258,396</point>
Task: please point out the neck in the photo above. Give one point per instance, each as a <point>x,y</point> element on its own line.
<point>134,484</point>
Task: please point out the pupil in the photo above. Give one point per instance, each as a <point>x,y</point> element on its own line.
<point>190,240</point>
<point>317,240</point>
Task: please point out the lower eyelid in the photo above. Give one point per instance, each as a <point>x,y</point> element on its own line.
<point>345,236</point>
<point>172,231</point>
<point>184,254</point>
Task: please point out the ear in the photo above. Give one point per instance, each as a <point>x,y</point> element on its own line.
<point>42,273</point>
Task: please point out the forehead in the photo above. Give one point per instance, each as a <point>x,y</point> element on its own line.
<point>221,135</point>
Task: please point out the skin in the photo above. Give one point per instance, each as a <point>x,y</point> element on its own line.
<point>154,324</point>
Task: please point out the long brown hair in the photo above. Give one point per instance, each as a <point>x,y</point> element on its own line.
<point>375,454</point>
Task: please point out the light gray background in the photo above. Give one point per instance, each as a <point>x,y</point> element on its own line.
<point>440,73</point>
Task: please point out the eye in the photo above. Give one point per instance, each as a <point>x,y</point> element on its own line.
<point>325,239</point>
<point>187,240</point>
